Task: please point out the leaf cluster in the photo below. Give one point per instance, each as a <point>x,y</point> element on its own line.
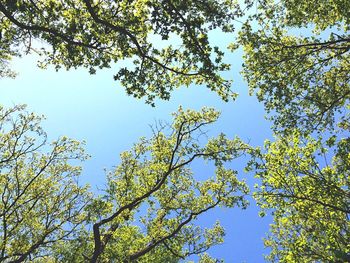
<point>297,63</point>
<point>97,34</point>
<point>149,207</point>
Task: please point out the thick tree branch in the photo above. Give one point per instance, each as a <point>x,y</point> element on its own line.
<point>50,31</point>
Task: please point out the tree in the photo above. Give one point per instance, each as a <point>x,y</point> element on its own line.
<point>146,212</point>
<point>153,197</point>
<point>41,202</point>
<point>310,198</point>
<point>96,34</point>
<point>297,61</point>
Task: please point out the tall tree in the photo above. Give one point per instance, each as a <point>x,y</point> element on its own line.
<point>309,196</point>
<point>153,197</point>
<point>95,34</point>
<point>41,202</point>
<point>297,61</point>
<point>148,208</point>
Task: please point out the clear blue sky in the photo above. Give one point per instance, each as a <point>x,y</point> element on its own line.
<point>95,108</point>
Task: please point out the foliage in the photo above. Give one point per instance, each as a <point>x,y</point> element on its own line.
<point>41,202</point>
<point>166,40</point>
<point>153,197</point>
<point>5,71</point>
<point>5,57</point>
<point>310,198</point>
<point>148,208</point>
<point>297,61</point>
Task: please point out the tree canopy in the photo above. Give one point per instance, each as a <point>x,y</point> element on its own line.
<point>96,34</point>
<point>310,197</point>
<point>296,61</point>
<point>41,201</point>
<point>148,208</point>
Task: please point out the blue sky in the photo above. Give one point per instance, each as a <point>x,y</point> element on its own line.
<point>95,108</point>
